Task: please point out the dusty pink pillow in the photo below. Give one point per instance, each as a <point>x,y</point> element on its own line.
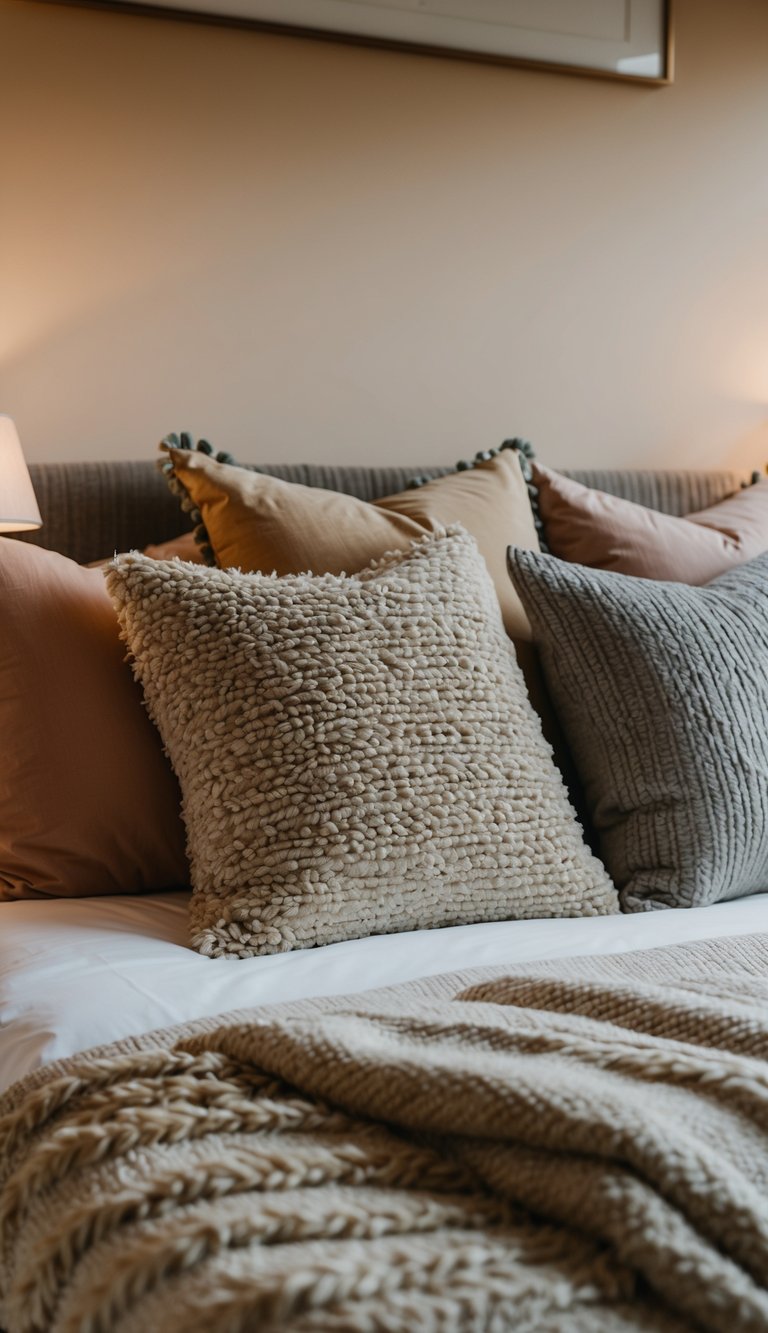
<point>88,802</point>
<point>602,531</point>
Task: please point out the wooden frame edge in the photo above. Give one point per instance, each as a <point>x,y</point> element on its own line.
<point>198,16</point>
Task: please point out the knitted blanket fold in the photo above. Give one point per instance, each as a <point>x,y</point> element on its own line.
<point>570,1147</point>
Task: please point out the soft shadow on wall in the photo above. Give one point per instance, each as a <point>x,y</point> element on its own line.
<point>312,251</point>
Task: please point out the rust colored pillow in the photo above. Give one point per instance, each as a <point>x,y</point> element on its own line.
<point>260,524</point>
<point>89,804</point>
<point>185,547</point>
<point>601,531</point>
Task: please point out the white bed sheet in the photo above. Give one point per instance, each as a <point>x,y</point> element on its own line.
<point>81,972</point>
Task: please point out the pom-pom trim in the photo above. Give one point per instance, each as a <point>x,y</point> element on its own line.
<point>185,441</point>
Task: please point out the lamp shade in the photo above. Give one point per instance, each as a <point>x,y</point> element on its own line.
<point>18,506</point>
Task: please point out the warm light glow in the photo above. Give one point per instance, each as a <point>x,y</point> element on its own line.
<point>18,506</point>
<point>748,452</point>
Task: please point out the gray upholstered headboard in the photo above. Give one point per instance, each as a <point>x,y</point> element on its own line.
<point>91,510</point>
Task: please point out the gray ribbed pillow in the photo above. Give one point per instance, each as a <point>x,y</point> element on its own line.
<point>357,754</point>
<point>662,690</point>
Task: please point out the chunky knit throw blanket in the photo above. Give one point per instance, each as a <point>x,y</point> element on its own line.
<point>578,1146</point>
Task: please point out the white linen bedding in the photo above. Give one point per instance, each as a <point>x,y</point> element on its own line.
<point>77,973</point>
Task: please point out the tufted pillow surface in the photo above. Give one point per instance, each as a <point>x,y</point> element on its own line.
<point>662,690</point>
<point>357,754</point>
<point>260,524</point>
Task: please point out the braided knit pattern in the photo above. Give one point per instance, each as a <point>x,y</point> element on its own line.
<point>357,754</point>
<point>579,1147</point>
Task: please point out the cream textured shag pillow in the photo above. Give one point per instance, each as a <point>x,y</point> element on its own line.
<point>357,754</point>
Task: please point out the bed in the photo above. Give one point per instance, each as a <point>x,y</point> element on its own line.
<point>81,977</point>
<point>133,954</point>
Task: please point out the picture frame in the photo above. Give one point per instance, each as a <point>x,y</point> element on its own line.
<point>628,40</point>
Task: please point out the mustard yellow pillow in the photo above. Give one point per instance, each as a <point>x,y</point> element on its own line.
<point>260,524</point>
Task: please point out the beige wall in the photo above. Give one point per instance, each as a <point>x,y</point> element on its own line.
<point>311,251</point>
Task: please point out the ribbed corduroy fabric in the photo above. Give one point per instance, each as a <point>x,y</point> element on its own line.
<point>91,510</point>
<point>671,492</point>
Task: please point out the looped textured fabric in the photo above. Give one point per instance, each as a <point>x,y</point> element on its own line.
<point>357,755</point>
